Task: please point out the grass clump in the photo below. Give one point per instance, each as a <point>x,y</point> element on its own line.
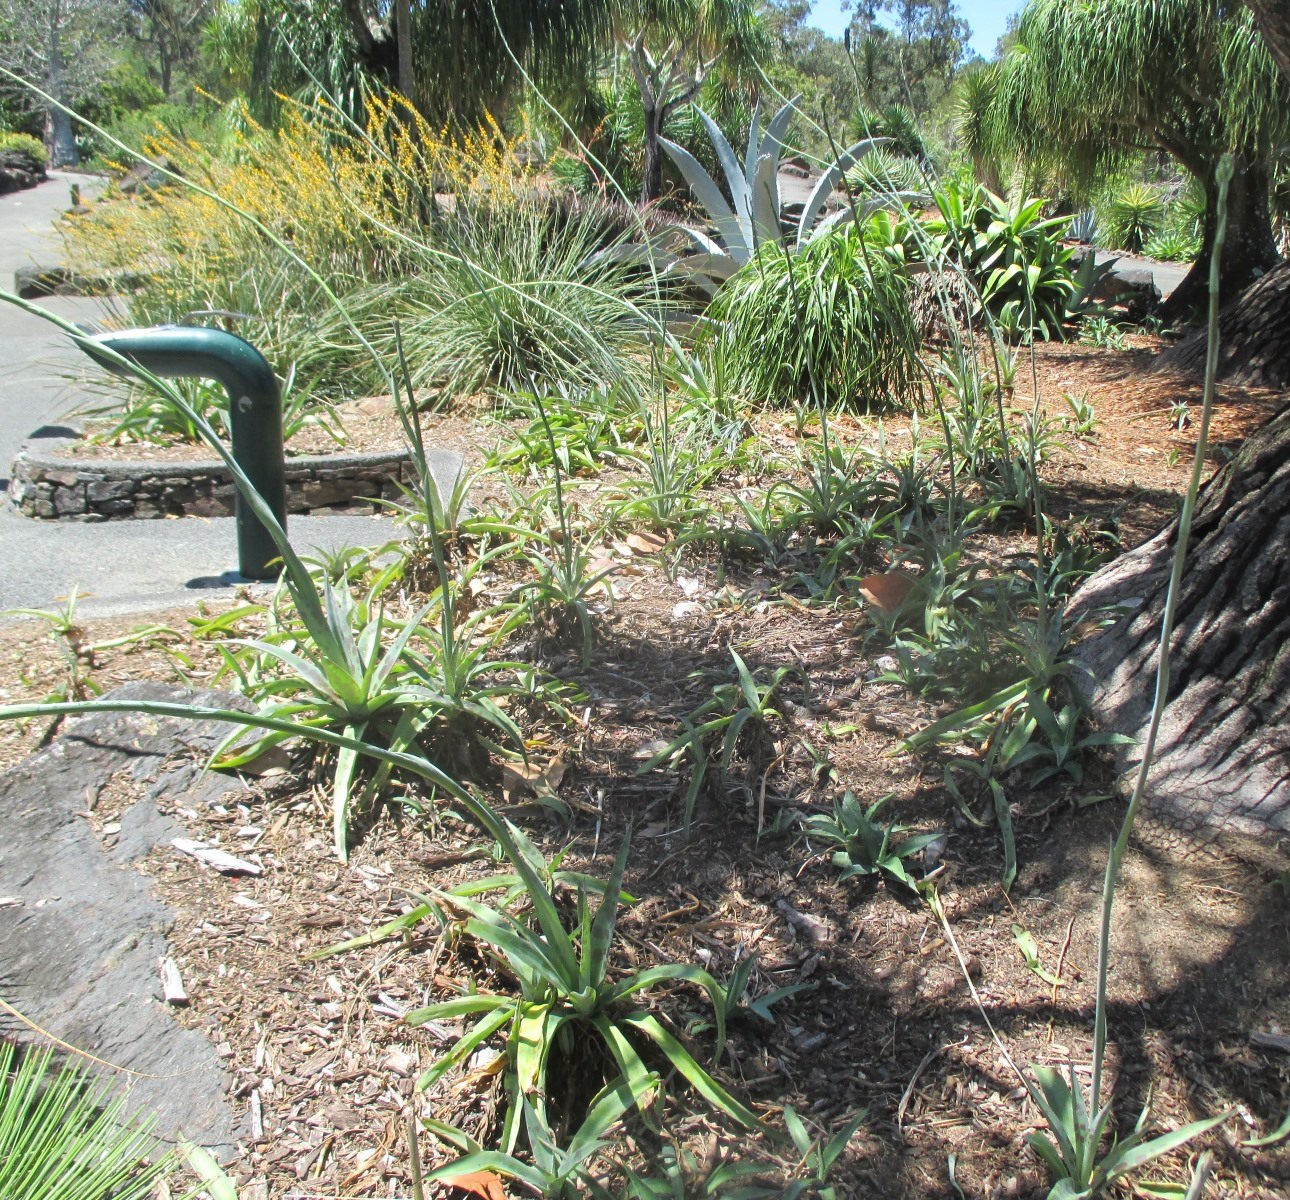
<point>834,318</point>
<point>62,1137</point>
<point>514,290</point>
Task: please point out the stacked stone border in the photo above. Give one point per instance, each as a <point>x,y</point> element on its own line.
<point>56,486</point>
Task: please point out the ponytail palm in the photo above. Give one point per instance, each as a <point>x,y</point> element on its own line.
<point>1088,83</point>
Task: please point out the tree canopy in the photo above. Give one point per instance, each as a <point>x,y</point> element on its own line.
<point>1085,84</point>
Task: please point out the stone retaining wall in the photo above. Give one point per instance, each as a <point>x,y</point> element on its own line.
<point>58,487</point>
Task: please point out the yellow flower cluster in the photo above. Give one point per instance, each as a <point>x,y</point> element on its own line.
<point>330,190</point>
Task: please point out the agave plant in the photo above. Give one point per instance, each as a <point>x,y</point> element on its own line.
<point>355,683</point>
<point>568,998</point>
<point>757,214</point>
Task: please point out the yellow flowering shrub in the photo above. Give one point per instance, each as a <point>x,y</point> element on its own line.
<point>331,193</point>
<point>346,201</point>
<point>494,278</point>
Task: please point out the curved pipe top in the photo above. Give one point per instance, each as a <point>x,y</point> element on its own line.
<point>255,414</point>
<point>180,351</point>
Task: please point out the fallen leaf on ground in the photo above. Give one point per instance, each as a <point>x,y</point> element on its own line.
<point>887,590</point>
<point>484,1184</point>
<point>518,778</point>
<point>645,543</point>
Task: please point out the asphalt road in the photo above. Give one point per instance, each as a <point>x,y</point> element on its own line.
<point>119,566</point>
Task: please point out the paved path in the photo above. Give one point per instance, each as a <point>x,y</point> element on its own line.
<point>124,566</point>
<point>1168,275</point>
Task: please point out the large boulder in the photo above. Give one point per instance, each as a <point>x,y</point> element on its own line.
<point>19,169</point>
<point>81,935</point>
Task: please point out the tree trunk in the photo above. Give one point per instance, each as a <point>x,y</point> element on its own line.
<point>403,35</point>
<point>60,139</point>
<point>1249,249</point>
<point>652,171</point>
<point>1222,761</point>
<point>1223,757</point>
<point>1254,336</point>
<point>261,97</point>
<point>59,136</point>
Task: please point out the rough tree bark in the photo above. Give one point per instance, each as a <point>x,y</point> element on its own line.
<point>403,33</point>
<point>652,154</point>
<point>1255,329</point>
<point>1223,757</point>
<point>1254,336</point>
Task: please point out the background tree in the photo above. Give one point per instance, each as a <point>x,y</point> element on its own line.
<point>171,32</point>
<point>1084,85</point>
<point>672,46</point>
<point>1273,20</point>
<point>907,52</point>
<point>258,48</point>
<point>1255,326</point>
<point>804,61</point>
<point>459,58</point>
<point>65,47</point>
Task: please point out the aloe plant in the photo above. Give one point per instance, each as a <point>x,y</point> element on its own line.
<point>566,990</point>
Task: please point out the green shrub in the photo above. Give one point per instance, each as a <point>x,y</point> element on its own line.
<point>833,310</point>
<point>1011,253</point>
<point>24,143</point>
<point>895,122</point>
<point>1172,245</point>
<point>882,171</point>
<point>510,293</point>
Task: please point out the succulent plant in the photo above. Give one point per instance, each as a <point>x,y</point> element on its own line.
<point>756,215</point>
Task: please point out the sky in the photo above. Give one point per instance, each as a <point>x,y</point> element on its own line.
<point>986,17</point>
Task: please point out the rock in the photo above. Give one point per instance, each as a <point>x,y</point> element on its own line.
<point>69,501</point>
<point>35,282</point>
<point>19,170</point>
<point>1133,287</point>
<point>80,947</point>
<point>110,489</point>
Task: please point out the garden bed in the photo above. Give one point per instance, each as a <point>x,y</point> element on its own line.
<point>882,1019</point>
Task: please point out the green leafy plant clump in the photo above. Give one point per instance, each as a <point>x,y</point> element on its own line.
<point>570,1022</point>
<point>526,290</point>
<point>1012,254</point>
<point>864,846</point>
<point>1133,215</point>
<point>832,320</point>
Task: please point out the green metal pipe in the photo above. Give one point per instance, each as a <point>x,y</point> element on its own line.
<point>190,352</point>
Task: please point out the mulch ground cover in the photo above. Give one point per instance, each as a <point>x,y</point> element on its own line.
<point>323,1066</point>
